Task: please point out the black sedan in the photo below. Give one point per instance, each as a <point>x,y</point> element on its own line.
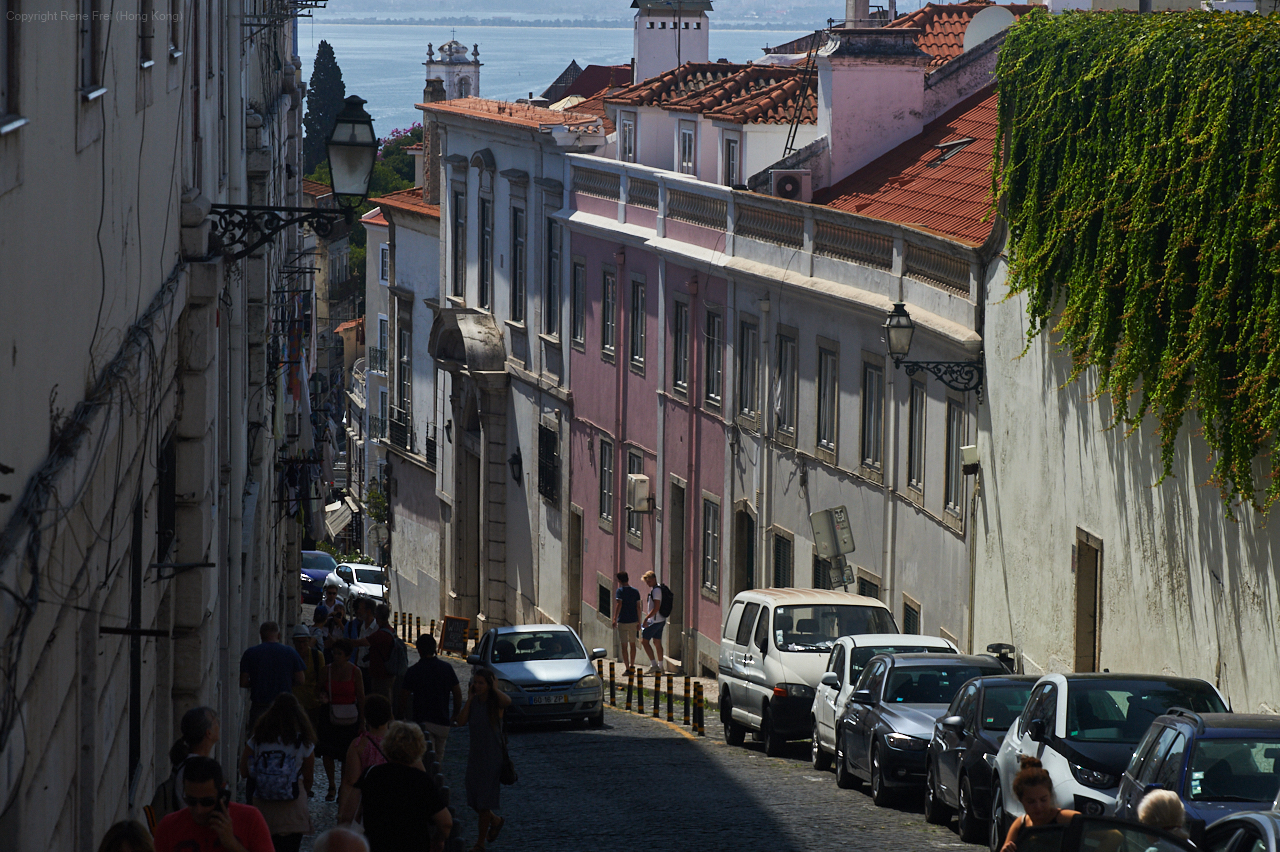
<point>957,773</point>
<point>888,721</point>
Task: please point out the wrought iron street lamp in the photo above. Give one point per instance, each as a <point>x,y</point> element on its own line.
<point>957,375</point>
<point>241,229</point>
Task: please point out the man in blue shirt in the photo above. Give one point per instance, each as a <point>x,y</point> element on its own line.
<point>268,669</point>
<point>432,681</point>
<point>626,618</point>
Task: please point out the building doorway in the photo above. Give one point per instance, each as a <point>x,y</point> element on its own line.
<point>1088,558</point>
<point>676,558</point>
<point>466,599</point>
<point>744,552</point>
<point>573,583</point>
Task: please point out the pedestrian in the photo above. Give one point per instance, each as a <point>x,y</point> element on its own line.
<point>341,840</point>
<point>127,836</point>
<point>626,619</point>
<point>308,692</point>
<point>432,681</point>
<point>333,629</point>
<point>355,619</point>
<point>268,669</point>
<point>377,646</point>
<point>482,714</point>
<point>1034,789</point>
<point>404,811</point>
<point>280,758</point>
<point>330,601</point>
<point>365,751</point>
<point>366,626</point>
<point>211,821</point>
<point>341,710</point>
<point>654,622</point>
<point>1163,809</point>
<point>200,733</point>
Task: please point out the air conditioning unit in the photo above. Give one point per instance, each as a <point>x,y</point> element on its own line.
<point>793,184</point>
<point>639,500</point>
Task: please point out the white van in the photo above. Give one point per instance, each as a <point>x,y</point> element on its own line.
<point>773,652</point>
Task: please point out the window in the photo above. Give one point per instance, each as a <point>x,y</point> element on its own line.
<point>688,150</point>
<point>175,28</point>
<point>517,264</point>
<point>915,438</point>
<point>378,358</point>
<point>748,621</point>
<point>609,313</point>
<point>955,437</point>
<point>549,463</point>
<point>404,364</point>
<point>748,368</point>
<point>715,359</point>
<point>680,347</point>
<point>785,404</point>
<point>486,253</point>
<point>637,323</point>
<point>910,617</point>
<point>459,243</point>
<point>711,544</point>
<point>872,415</point>
<point>731,177</point>
<point>606,479</point>
<point>783,573</point>
<point>384,263</point>
<point>867,588</point>
<point>635,464</point>
<point>627,137</point>
<point>90,47</point>
<point>578,328</point>
<point>551,293</point>
<point>828,397</point>
<point>821,573</point>
<point>146,32</point>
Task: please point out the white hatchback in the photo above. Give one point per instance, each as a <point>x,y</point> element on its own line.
<point>848,658</point>
<point>366,581</point>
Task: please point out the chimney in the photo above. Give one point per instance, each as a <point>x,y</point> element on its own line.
<point>857,13</point>
<point>870,94</point>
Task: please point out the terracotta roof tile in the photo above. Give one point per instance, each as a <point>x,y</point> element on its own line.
<point>596,77</point>
<point>358,322</point>
<point>409,200</point>
<point>774,102</point>
<point>374,217</point>
<point>944,26</point>
<point>914,185</point>
<point>503,112</point>
<point>594,105</point>
<point>668,86</point>
<point>315,189</point>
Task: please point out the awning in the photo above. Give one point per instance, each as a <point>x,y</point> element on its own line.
<point>336,517</point>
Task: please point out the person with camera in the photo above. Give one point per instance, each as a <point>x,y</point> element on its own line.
<point>211,821</point>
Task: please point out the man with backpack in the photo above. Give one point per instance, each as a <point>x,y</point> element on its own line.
<point>388,656</point>
<point>658,607</point>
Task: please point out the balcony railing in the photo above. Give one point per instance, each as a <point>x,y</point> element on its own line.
<point>400,429</point>
<point>377,359</point>
<point>377,427</point>
<point>429,446</point>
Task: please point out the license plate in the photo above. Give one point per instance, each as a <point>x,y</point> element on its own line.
<point>549,699</point>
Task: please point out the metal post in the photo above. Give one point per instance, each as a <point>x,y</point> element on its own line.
<point>657,696</point>
<point>613,687</point>
<point>671,714</point>
<point>630,677</point>
<point>419,631</point>
<point>640,696</point>
<point>686,699</point>
<point>701,708</point>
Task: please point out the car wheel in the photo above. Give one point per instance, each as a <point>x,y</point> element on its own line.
<point>970,823</point>
<point>844,778</point>
<point>774,745</point>
<point>596,721</point>
<point>995,833</point>
<point>821,760</point>
<point>734,734</point>
<point>935,812</point>
<point>879,789</point>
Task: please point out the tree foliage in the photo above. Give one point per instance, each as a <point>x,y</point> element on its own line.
<point>1140,175</point>
<point>325,94</point>
<point>395,151</point>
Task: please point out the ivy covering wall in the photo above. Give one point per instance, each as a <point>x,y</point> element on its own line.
<point>1140,172</point>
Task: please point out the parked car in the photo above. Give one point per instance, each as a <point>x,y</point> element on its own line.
<point>1247,831</point>
<point>775,646</point>
<point>886,725</point>
<point>367,581</point>
<point>848,658</point>
<point>545,671</point>
<point>1101,834</point>
<point>1084,728</point>
<point>1218,763</point>
<point>316,565</point>
<point>965,737</point>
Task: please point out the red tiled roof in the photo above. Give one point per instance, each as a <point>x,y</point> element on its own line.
<point>677,83</point>
<point>944,26</point>
<point>409,200</point>
<point>417,147</point>
<point>503,112</point>
<point>315,189</point>
<point>951,197</point>
<point>596,77</point>
<point>358,322</point>
<point>767,94</point>
<point>375,217</point>
<point>594,105</point>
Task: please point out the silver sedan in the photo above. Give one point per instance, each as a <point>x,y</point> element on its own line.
<point>545,671</point>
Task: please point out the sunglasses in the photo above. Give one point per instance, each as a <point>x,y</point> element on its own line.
<point>202,801</point>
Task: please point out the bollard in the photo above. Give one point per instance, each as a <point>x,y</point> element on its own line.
<point>600,670</point>
<point>671,716</point>
<point>640,695</point>
<point>395,623</point>
<point>630,678</point>
<point>686,700</point>
<point>613,688</point>
<point>433,627</point>
<point>657,696</point>
<point>418,632</point>
<point>700,708</point>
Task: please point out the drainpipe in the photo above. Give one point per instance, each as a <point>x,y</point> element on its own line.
<point>693,488</point>
<point>765,466</point>
<point>659,470</point>
<point>619,400</point>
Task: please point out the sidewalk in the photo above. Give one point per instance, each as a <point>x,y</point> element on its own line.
<point>710,687</point>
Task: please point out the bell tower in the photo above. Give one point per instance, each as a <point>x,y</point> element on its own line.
<point>457,72</point>
<point>669,33</point>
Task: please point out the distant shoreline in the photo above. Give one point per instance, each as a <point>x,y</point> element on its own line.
<point>512,22</point>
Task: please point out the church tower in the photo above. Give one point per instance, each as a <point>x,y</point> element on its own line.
<point>669,33</point>
<point>454,70</point>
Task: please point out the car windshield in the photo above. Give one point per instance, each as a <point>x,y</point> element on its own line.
<point>936,684</point>
<point>319,561</point>
<point>1234,771</point>
<point>1120,711</point>
<point>1002,704</point>
<point>532,647</point>
<point>817,627</point>
<point>370,575</point>
<point>860,656</point>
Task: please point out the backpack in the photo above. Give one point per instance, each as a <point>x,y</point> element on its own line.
<point>167,798</point>
<point>398,663</point>
<point>668,601</point>
<point>275,773</point>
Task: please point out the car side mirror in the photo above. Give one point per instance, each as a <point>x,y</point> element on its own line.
<point>473,660</point>
<point>831,679</point>
<point>861,696</point>
<point>1036,730</point>
<point>598,653</point>
<point>953,723</point>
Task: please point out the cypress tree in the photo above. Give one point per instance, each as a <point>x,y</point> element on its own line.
<point>325,95</point>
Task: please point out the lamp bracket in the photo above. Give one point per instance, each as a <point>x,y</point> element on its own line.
<point>958,375</point>
<point>242,229</point>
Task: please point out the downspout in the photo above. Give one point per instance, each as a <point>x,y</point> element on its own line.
<point>659,470</point>
<point>767,423</point>
<point>693,487</point>
<point>889,525</point>
<point>619,449</point>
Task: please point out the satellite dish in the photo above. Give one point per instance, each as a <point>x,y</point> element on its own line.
<point>378,535</point>
<point>985,24</point>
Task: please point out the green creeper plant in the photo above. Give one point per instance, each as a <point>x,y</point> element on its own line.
<point>1139,174</point>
